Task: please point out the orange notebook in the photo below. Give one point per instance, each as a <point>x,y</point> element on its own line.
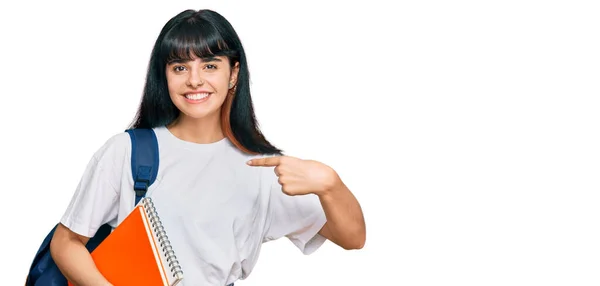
<point>138,251</point>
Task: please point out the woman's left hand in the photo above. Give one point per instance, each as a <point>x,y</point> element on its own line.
<point>300,177</point>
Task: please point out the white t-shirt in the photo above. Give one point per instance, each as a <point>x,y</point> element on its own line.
<point>216,209</point>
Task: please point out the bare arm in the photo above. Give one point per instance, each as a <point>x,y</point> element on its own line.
<point>345,224</point>
<point>73,259</point>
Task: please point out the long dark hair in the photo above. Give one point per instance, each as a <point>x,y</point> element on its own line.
<point>202,33</point>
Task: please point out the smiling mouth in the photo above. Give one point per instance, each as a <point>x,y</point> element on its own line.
<point>197,96</point>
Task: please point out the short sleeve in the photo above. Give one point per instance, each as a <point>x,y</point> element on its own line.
<point>95,201</point>
<point>299,218</point>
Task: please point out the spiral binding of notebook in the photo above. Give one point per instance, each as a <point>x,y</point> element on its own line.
<point>162,237</point>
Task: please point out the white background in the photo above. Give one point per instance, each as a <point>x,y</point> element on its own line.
<point>468,130</point>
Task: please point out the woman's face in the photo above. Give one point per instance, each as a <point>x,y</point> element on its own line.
<point>199,87</point>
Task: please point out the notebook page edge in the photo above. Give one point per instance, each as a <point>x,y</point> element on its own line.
<point>152,238</point>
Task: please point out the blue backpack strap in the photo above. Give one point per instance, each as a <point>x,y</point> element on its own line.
<point>144,160</point>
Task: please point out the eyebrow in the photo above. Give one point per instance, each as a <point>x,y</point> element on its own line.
<point>203,59</point>
<point>210,59</point>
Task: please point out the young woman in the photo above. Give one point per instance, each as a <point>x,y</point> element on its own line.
<point>222,189</point>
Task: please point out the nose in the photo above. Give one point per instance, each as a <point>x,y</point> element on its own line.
<point>195,78</point>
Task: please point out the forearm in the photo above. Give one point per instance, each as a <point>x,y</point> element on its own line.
<point>345,221</point>
<point>75,261</point>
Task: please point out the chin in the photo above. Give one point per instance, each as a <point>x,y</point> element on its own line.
<point>196,114</point>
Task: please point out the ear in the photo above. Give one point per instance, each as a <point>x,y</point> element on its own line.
<point>234,75</point>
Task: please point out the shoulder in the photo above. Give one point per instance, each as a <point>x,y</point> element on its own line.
<point>115,148</point>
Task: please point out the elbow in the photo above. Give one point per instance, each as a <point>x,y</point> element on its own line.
<point>348,238</point>
<point>353,246</point>
<point>358,242</point>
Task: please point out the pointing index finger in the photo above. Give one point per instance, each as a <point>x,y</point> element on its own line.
<point>265,162</point>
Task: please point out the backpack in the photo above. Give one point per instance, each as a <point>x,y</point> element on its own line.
<point>144,167</point>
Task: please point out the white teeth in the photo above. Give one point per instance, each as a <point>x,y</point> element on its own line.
<point>196,96</point>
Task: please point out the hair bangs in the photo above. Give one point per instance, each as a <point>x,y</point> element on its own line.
<point>194,38</point>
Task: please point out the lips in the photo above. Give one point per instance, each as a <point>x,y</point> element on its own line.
<point>197,96</point>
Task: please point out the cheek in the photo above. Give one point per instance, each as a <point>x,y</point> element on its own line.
<point>219,80</point>
<point>174,84</point>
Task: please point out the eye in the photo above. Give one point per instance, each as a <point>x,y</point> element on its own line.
<point>211,66</point>
<point>178,68</point>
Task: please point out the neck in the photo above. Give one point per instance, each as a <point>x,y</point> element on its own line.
<point>202,131</point>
